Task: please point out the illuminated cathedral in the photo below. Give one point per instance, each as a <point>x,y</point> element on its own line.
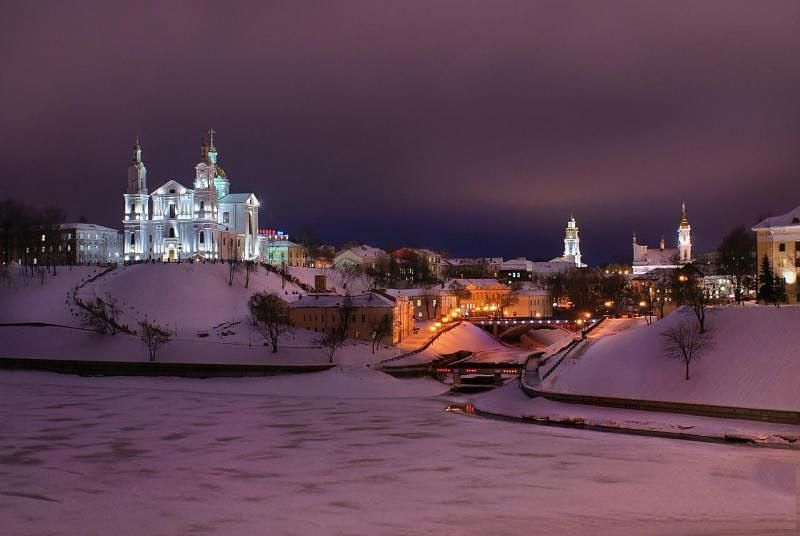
<point>646,259</point>
<point>175,222</point>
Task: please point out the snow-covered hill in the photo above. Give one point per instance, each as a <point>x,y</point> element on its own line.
<point>189,297</point>
<point>755,362</point>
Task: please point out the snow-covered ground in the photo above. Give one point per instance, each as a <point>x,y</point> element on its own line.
<point>284,456</point>
<point>209,317</point>
<point>754,362</point>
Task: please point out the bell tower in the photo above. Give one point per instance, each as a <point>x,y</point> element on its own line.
<point>572,244</point>
<point>684,237</point>
<point>137,172</point>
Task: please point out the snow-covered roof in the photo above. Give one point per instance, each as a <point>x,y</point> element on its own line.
<point>282,244</point>
<point>520,263</point>
<point>554,266</point>
<point>660,257</point>
<point>85,227</point>
<point>368,299</point>
<point>238,198</point>
<point>478,283</point>
<point>364,251</point>
<point>415,292</point>
<point>791,218</point>
<point>463,261</point>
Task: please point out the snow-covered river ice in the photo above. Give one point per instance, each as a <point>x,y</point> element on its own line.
<point>279,456</point>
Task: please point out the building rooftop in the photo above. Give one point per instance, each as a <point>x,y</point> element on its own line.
<point>367,299</point>
<point>791,218</point>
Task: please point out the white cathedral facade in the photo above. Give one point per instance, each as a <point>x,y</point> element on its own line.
<point>175,222</point>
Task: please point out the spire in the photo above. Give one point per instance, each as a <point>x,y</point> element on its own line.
<point>661,242</point>
<point>208,152</point>
<point>634,237</point>
<point>137,151</point>
<point>211,139</point>
<point>684,221</point>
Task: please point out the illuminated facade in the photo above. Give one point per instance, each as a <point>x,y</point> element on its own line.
<point>572,243</point>
<point>175,222</point>
<point>778,238</point>
<point>646,259</point>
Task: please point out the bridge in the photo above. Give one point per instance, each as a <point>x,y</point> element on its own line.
<point>506,327</point>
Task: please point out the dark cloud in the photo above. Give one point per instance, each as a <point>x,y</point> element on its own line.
<point>473,126</point>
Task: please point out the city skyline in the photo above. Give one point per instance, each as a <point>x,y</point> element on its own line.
<point>476,129</point>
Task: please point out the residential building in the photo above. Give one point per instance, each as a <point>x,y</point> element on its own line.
<point>778,238</point>
<point>364,256</point>
<point>321,313</point>
<point>88,243</point>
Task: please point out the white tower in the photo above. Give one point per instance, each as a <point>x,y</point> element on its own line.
<point>572,244</point>
<point>684,237</point>
<point>136,212</point>
<point>137,172</point>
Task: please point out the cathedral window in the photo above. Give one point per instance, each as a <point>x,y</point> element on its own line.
<point>226,217</point>
<point>202,205</point>
<point>172,210</point>
<point>782,246</point>
<point>202,237</point>
<point>172,232</point>
<point>133,240</point>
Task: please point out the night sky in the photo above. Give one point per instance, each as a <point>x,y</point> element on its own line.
<point>475,127</point>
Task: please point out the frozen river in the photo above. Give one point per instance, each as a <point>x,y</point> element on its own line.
<point>281,456</point>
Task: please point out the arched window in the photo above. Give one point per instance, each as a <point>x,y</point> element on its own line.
<point>172,232</point>
<point>202,205</point>
<point>133,239</point>
<point>172,210</point>
<point>202,237</point>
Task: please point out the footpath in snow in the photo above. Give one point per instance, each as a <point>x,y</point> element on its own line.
<point>511,401</point>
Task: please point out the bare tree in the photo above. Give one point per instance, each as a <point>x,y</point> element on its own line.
<point>153,336</point>
<point>380,329</point>
<point>101,315</point>
<point>348,273</point>
<point>686,341</point>
<point>460,292</point>
<point>337,335</point>
<point>270,315</point>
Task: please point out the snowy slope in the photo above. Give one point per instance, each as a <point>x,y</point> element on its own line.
<point>755,362</point>
<point>191,297</point>
<point>25,299</point>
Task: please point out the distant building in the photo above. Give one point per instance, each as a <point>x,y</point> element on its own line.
<point>87,243</point>
<point>529,301</point>
<point>778,238</point>
<point>519,269</point>
<point>471,267</point>
<point>364,256</point>
<point>276,249</point>
<point>646,259</point>
<point>320,313</point>
<point>428,303</point>
<point>572,245</point>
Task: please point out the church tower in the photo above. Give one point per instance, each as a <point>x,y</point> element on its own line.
<point>208,171</point>
<point>684,237</point>
<point>136,212</point>
<point>137,172</point>
<point>572,244</point>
